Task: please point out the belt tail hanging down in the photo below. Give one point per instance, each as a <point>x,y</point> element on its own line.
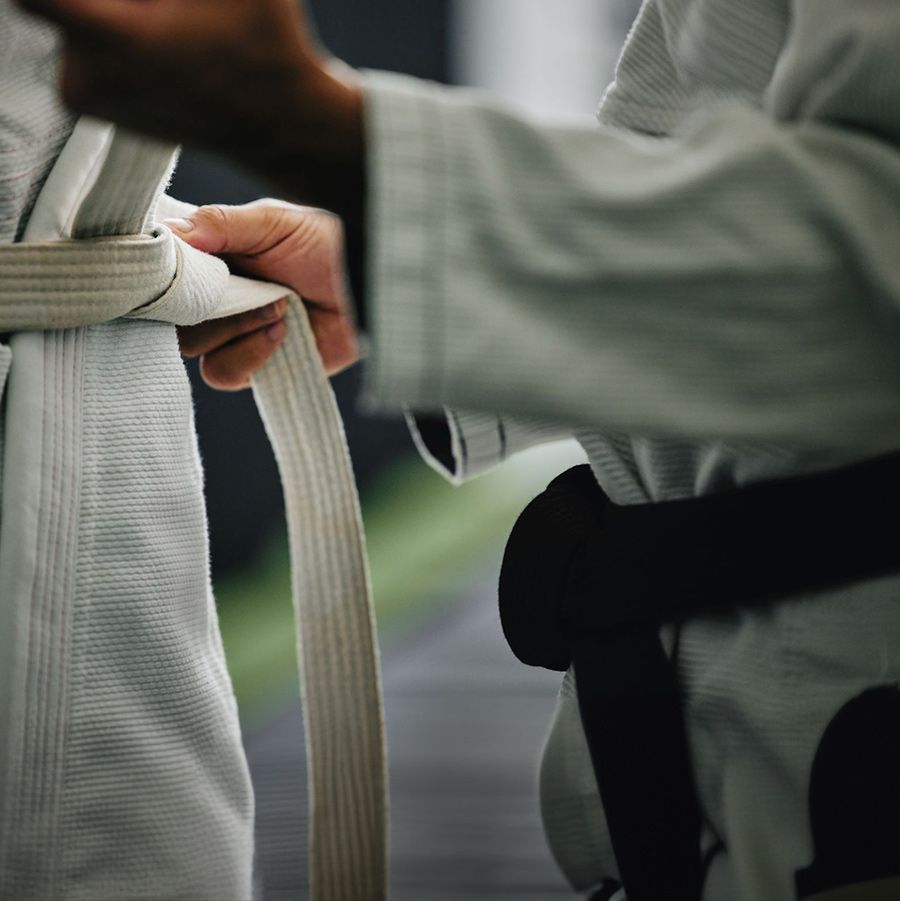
<point>340,674</point>
<point>67,284</point>
<point>340,677</point>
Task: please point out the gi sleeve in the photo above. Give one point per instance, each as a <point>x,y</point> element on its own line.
<point>461,444</point>
<point>737,281</point>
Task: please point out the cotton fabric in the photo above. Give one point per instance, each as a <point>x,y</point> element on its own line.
<point>115,651</point>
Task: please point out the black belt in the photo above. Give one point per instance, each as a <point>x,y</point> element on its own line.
<point>588,583</point>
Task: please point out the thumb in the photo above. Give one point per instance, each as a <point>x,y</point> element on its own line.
<point>221,229</point>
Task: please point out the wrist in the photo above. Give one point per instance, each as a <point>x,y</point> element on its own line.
<point>316,154</point>
<point>313,147</point>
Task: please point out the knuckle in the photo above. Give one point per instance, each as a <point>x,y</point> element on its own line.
<point>270,313</point>
<point>213,214</point>
<point>275,217</point>
<point>214,219</point>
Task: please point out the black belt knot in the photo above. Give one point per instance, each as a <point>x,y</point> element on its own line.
<point>549,539</point>
<point>587,584</point>
<point>627,692</point>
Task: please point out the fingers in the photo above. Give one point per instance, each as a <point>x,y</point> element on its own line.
<point>290,245</point>
<point>230,367</point>
<point>295,246</point>
<point>208,336</point>
<point>232,349</point>
<point>241,231</point>
<point>257,228</point>
<point>336,340</point>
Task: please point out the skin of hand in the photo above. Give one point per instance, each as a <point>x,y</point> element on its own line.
<point>243,78</point>
<point>300,247</point>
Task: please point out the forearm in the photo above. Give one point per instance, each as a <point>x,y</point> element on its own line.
<point>728,284</point>
<point>314,146</point>
<point>244,80</point>
<point>314,152</point>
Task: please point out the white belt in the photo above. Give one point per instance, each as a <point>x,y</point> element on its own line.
<point>73,283</point>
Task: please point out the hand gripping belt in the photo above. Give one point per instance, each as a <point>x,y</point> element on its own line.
<point>141,272</point>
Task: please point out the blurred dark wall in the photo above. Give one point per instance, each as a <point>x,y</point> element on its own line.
<point>243,495</point>
<point>399,35</point>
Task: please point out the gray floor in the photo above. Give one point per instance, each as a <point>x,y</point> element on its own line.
<point>465,725</point>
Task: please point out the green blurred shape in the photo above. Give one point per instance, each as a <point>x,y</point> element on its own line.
<point>426,540</point>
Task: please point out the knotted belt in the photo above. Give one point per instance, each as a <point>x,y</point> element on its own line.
<point>588,583</point>
<point>61,284</point>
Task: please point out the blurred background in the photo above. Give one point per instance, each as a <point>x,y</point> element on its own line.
<point>465,720</point>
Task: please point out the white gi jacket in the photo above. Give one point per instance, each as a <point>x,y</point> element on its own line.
<point>117,719</point>
<point>705,291</point>
<point>121,768</point>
